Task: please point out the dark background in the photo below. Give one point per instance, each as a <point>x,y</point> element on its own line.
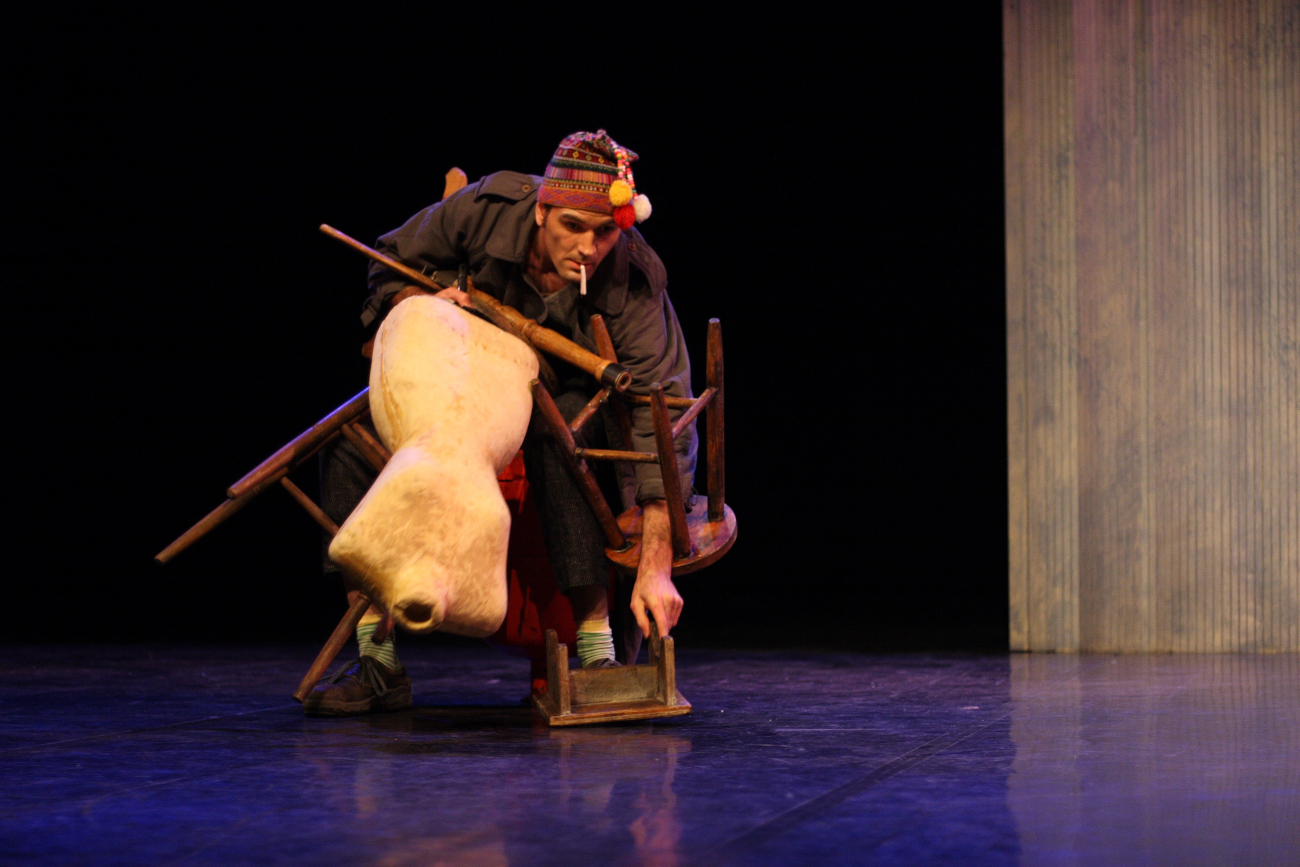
<point>830,187</point>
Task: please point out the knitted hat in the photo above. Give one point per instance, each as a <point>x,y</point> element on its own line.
<point>592,172</point>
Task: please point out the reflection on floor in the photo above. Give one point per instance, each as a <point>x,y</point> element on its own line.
<point>119,755</point>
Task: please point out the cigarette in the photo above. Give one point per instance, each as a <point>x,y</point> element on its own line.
<point>582,288</point>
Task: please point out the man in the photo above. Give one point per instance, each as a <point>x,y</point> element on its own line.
<point>527,241</point>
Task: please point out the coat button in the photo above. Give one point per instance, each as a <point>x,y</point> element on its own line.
<point>528,187</point>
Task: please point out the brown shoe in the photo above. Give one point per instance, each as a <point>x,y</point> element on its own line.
<point>364,686</point>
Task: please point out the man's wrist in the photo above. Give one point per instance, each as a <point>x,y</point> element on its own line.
<point>656,535</point>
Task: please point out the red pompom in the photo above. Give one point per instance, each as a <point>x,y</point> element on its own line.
<point>625,216</point>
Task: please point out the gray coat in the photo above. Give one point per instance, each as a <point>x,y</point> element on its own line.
<point>489,227</point>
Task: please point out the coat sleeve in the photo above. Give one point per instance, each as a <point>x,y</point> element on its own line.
<point>436,241</point>
<point>649,342</point>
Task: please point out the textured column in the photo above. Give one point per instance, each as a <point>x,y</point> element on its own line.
<point>1153,277</point>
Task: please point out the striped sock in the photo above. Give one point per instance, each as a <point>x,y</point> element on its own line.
<point>595,641</point>
<point>385,653</point>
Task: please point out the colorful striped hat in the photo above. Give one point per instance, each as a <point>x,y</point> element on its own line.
<point>592,172</point>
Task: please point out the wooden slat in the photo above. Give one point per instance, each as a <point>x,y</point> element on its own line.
<point>353,434</point>
<point>701,403</point>
<point>346,628</point>
<point>1175,348</point>
<point>318,515</point>
<point>617,455</point>
<point>380,450</point>
<point>1111,290</point>
<point>592,407</point>
<point>1017,410</point>
<point>672,402</point>
<point>301,447</point>
<point>1041,291</point>
<point>578,469</point>
<point>205,525</point>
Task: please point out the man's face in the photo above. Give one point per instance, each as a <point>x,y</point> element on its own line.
<point>571,238</point>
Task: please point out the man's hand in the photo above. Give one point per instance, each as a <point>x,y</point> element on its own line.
<point>451,294</point>
<point>455,296</point>
<point>654,591</point>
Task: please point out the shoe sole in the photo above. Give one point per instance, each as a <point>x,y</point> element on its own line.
<point>398,698</point>
<point>395,699</point>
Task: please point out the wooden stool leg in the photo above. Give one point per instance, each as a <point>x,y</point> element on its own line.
<point>375,445</point>
<point>717,456</point>
<point>668,467</point>
<point>377,456</point>
<point>202,528</point>
<point>605,346</point>
<point>383,629</point>
<point>270,471</point>
<point>557,675</point>
<point>347,626</point>
<point>354,435</point>
<point>666,673</point>
<point>311,508</point>
<point>577,467</point>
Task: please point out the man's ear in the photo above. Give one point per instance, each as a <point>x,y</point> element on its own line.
<point>539,214</point>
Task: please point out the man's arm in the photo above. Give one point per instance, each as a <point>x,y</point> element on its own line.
<point>649,343</point>
<point>648,340</point>
<point>420,243</point>
<point>451,293</point>
<point>451,233</point>
<point>654,594</point>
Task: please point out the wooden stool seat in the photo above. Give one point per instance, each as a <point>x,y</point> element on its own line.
<point>709,540</point>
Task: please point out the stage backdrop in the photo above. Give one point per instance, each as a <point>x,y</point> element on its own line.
<point>1153,313</point>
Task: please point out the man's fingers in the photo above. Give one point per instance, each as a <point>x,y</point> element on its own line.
<point>661,618</point>
<point>638,611</point>
<point>674,611</point>
<point>455,296</point>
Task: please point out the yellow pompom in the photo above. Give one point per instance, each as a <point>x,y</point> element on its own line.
<point>620,193</point>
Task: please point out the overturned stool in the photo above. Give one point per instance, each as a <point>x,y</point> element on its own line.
<point>597,695</point>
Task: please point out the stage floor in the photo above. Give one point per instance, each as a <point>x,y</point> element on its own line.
<point>166,755</point>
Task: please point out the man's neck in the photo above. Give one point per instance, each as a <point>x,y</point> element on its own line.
<point>540,268</point>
